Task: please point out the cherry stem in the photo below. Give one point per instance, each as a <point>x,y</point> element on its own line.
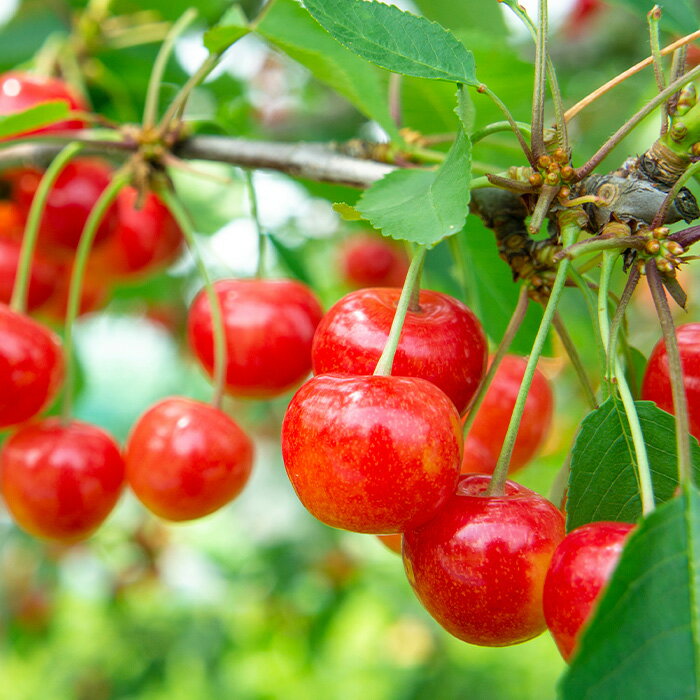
<point>153,92</point>
<point>31,232</point>
<point>262,238</point>
<point>511,330</point>
<point>595,245</point>
<point>673,193</point>
<point>410,285</point>
<point>675,370</point>
<point>653,19</point>
<point>537,137</point>
<point>614,82</point>
<point>82,253</point>
<point>575,360</point>
<point>646,488</point>
<point>513,124</point>
<point>394,98</point>
<point>630,286</point>
<point>498,127</point>
<point>631,123</point>
<point>177,106</point>
<point>184,221</point>
<point>570,229</point>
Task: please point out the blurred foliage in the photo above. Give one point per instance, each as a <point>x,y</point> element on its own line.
<point>260,601</point>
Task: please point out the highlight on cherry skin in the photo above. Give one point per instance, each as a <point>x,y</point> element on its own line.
<point>483,443</point>
<point>656,385</point>
<point>351,336</point>
<point>269,326</point>
<point>186,459</point>
<point>581,567</point>
<point>479,565</point>
<point>60,481</point>
<point>371,454</point>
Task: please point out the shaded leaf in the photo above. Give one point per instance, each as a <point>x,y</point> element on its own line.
<point>422,206</point>
<point>681,16</point>
<point>603,482</point>
<point>229,30</point>
<point>395,40</point>
<point>644,641</point>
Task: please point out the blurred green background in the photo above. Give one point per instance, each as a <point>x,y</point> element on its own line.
<point>259,600</point>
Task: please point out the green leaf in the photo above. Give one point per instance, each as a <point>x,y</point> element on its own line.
<point>32,118</point>
<point>603,483</point>
<point>422,206</point>
<point>492,292</point>
<point>395,40</point>
<point>465,110</point>
<point>347,211</point>
<point>681,16</point>
<point>285,24</point>
<point>229,30</point>
<point>644,641</point>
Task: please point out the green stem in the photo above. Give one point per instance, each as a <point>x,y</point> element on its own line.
<point>496,487</point>
<point>575,359</point>
<point>640,450</point>
<point>511,330</point>
<point>537,138</point>
<point>97,213</point>
<point>595,245</point>
<point>262,239</point>
<point>630,286</point>
<point>653,18</point>
<point>675,371</point>
<point>151,108</point>
<point>31,231</point>
<point>217,318</point>
<point>497,127</point>
<point>177,106</point>
<point>386,360</point>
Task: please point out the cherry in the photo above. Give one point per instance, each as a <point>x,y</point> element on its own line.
<point>478,567</point>
<point>392,542</point>
<point>371,454</point>
<point>94,295</point>
<point>72,197</point>
<point>372,261</point>
<point>20,91</point>
<point>656,385</point>
<point>483,444</point>
<point>60,481</point>
<point>31,367</point>
<point>269,328</point>
<point>581,567</point>
<point>442,342</point>
<point>186,459</point>
<point>145,238</point>
<point>43,278</point>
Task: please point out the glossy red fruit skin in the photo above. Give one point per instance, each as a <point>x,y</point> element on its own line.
<point>478,567</point>
<point>59,481</point>
<point>43,278</point>
<point>20,91</point>
<point>74,194</point>
<point>656,385</point>
<point>269,328</point>
<point>371,261</point>
<point>485,439</point>
<point>31,367</point>
<point>186,459</point>
<point>145,239</point>
<point>371,454</point>
<point>442,343</point>
<point>581,567</point>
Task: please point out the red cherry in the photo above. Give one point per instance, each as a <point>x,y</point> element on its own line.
<point>11,220</point>
<point>269,328</point>
<point>443,342</point>
<point>581,567</point>
<point>371,454</point>
<point>94,295</point>
<point>20,91</point>
<point>145,239</point>
<point>656,385</point>
<point>372,261</point>
<point>392,542</point>
<point>74,194</point>
<point>60,481</point>
<point>186,459</point>
<point>483,444</point>
<point>31,367</point>
<point>478,567</point>
<point>43,278</point>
